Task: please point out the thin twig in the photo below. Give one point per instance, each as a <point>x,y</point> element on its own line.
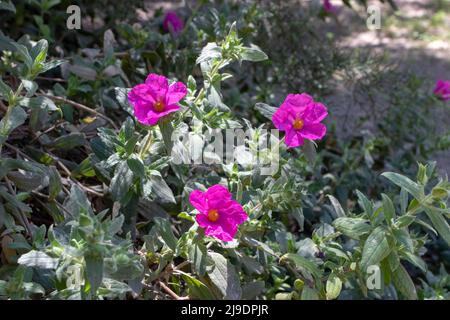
<point>181,265</point>
<point>170,292</point>
<point>63,167</point>
<point>51,79</point>
<point>69,175</point>
<point>56,125</point>
<point>81,107</point>
<point>56,202</point>
<point>22,215</point>
<point>18,151</point>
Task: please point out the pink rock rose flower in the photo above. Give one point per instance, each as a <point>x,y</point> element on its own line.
<point>299,117</point>
<point>218,214</point>
<point>328,6</point>
<point>172,22</point>
<point>155,99</point>
<point>442,90</point>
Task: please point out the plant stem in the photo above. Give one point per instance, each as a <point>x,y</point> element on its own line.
<point>11,105</point>
<point>148,143</point>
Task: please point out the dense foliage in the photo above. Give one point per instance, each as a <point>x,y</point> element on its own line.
<point>94,205</point>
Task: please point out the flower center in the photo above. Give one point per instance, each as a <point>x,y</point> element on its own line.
<point>213,215</point>
<point>298,124</point>
<point>159,106</point>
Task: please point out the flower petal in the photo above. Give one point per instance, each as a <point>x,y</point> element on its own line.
<point>298,100</point>
<point>281,119</point>
<point>313,131</point>
<point>203,221</point>
<point>176,92</point>
<point>442,90</point>
<point>219,233</point>
<point>153,117</point>
<point>315,112</point>
<point>237,213</point>
<point>158,86</point>
<point>141,100</point>
<point>198,200</point>
<point>172,21</point>
<point>293,139</point>
<point>218,191</point>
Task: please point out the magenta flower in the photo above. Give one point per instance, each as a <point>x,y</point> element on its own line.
<point>299,117</point>
<point>155,99</point>
<point>172,22</point>
<point>218,214</point>
<point>327,6</point>
<point>442,90</point>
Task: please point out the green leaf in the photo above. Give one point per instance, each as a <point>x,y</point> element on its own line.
<point>131,144</point>
<point>388,209</point>
<point>209,52</point>
<point>165,231</point>
<point>77,202</point>
<point>116,225</point>
<point>404,182</point>
<point>16,118</point>
<point>285,295</point>
<point>23,52</point>
<point>439,193</point>
<point>69,141</point>
<point>39,52</point>
<point>376,248</point>
<point>84,169</point>
<point>309,294</point>
<point>405,221</point>
<point>121,182</point>
<point>215,99</point>
<point>224,276</point>
<point>160,187</point>
<point>309,149</point>
<point>364,203</point>
<point>166,131</point>
<point>253,289</point>
<point>40,102</point>
<point>253,53</point>
<point>352,227</point>
<point>403,200</point>
<point>337,206</point>
<point>197,288</point>
<point>30,87</point>
<point>6,43</point>
<point>122,99</point>
<point>333,287</point>
<point>136,165</point>
<point>51,65</point>
<point>7,165</point>
<point>403,283</point>
<point>198,257</point>
<point>415,260</point>
<point>5,90</point>
<point>38,259</point>
<point>7,5</point>
<point>303,264</point>
<point>94,270</point>
<point>55,184</point>
<point>392,260</point>
<point>25,180</point>
<point>439,223</point>
<point>266,110</point>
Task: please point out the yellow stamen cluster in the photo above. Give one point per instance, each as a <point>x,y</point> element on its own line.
<point>159,106</point>
<point>298,124</point>
<point>213,215</point>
